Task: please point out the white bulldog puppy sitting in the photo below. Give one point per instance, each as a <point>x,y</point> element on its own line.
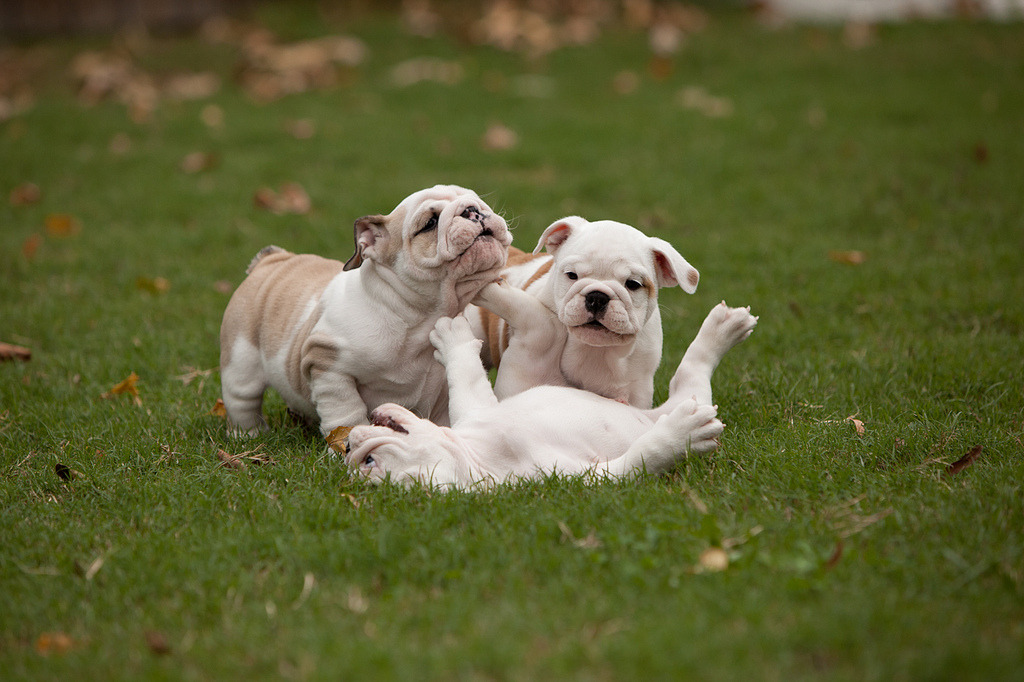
<point>546,429</point>
<point>335,338</point>
<point>601,281</point>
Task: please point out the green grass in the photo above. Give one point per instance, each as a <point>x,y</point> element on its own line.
<point>852,557</point>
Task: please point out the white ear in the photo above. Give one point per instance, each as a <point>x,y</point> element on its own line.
<point>558,232</point>
<point>672,267</point>
<point>370,238</point>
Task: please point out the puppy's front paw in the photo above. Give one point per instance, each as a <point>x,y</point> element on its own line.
<point>729,326</point>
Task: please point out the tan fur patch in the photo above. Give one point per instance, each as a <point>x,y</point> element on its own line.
<point>693,278</point>
<point>541,271</point>
<point>268,304</point>
<point>518,257</point>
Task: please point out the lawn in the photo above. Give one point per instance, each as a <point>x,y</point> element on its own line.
<point>863,519</point>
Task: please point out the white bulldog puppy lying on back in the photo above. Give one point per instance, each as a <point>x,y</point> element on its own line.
<point>601,281</point>
<point>546,429</point>
<point>334,339</point>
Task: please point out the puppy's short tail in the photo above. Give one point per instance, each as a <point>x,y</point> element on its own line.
<point>264,252</point>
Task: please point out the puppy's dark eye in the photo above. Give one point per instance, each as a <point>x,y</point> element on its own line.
<point>572,275</point>
<point>633,285</point>
<point>369,461</point>
<point>429,225</point>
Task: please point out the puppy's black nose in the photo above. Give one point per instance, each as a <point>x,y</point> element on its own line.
<point>596,301</point>
<point>473,214</point>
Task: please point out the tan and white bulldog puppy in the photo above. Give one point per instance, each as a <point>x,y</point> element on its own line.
<point>546,429</point>
<point>336,340</point>
<point>601,280</point>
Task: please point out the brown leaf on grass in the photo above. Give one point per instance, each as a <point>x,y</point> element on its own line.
<point>713,560</point>
<point>9,351</point>
<point>157,642</point>
<point>848,257</point>
<point>964,462</point>
<point>126,387</point>
<point>154,285</point>
<point>25,194</point>
<point>337,439</point>
<point>218,409</point>
<point>499,137</point>
<point>836,555</point>
<point>419,18</point>
<point>239,462</point>
<point>196,162</point>
<point>696,98</point>
<point>271,71</point>
<point>61,225</point>
<point>301,128</point>
<point>292,199</point>
<point>191,86</point>
<point>858,425</point>
<point>31,245</point>
<point>58,643</point>
<point>230,461</point>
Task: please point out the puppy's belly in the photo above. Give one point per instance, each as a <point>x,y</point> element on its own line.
<point>558,422</point>
<point>278,378</point>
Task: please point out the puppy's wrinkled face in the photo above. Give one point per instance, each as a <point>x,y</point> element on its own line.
<point>400,447</point>
<point>444,232</point>
<point>606,278</point>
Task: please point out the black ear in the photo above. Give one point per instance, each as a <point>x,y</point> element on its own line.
<point>370,235</point>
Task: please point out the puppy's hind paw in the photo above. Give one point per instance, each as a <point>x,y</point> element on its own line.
<point>450,332</point>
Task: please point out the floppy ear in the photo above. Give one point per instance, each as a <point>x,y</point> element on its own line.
<point>558,232</point>
<point>370,237</point>
<point>672,267</point>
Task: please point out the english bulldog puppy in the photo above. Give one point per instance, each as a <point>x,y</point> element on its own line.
<point>546,429</point>
<point>601,280</point>
<point>336,339</point>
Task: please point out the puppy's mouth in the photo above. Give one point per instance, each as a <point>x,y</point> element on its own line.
<point>378,419</point>
<point>594,333</point>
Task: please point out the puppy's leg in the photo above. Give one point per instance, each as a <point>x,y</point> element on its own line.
<point>242,385</point>
<point>688,428</point>
<point>535,347</point>
<point>334,394</point>
<point>459,351</point>
<point>723,328</point>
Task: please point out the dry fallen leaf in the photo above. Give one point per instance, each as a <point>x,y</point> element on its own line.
<point>964,462</point>
<point>291,199</point>
<point>230,461</point>
<point>31,245</point>
<point>154,285</point>
<point>696,98</point>
<point>337,439</point>
<point>192,86</point>
<point>848,257</point>
<point>9,351</point>
<point>61,225</point>
<point>301,129</point>
<point>25,194</point>
<point>157,643</point>
<point>58,643</point>
<point>499,138</point>
<point>126,387</point>
<point>195,162</point>
<point>857,424</point>
<point>218,409</point>
<point>713,560</point>
<point>837,554</point>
